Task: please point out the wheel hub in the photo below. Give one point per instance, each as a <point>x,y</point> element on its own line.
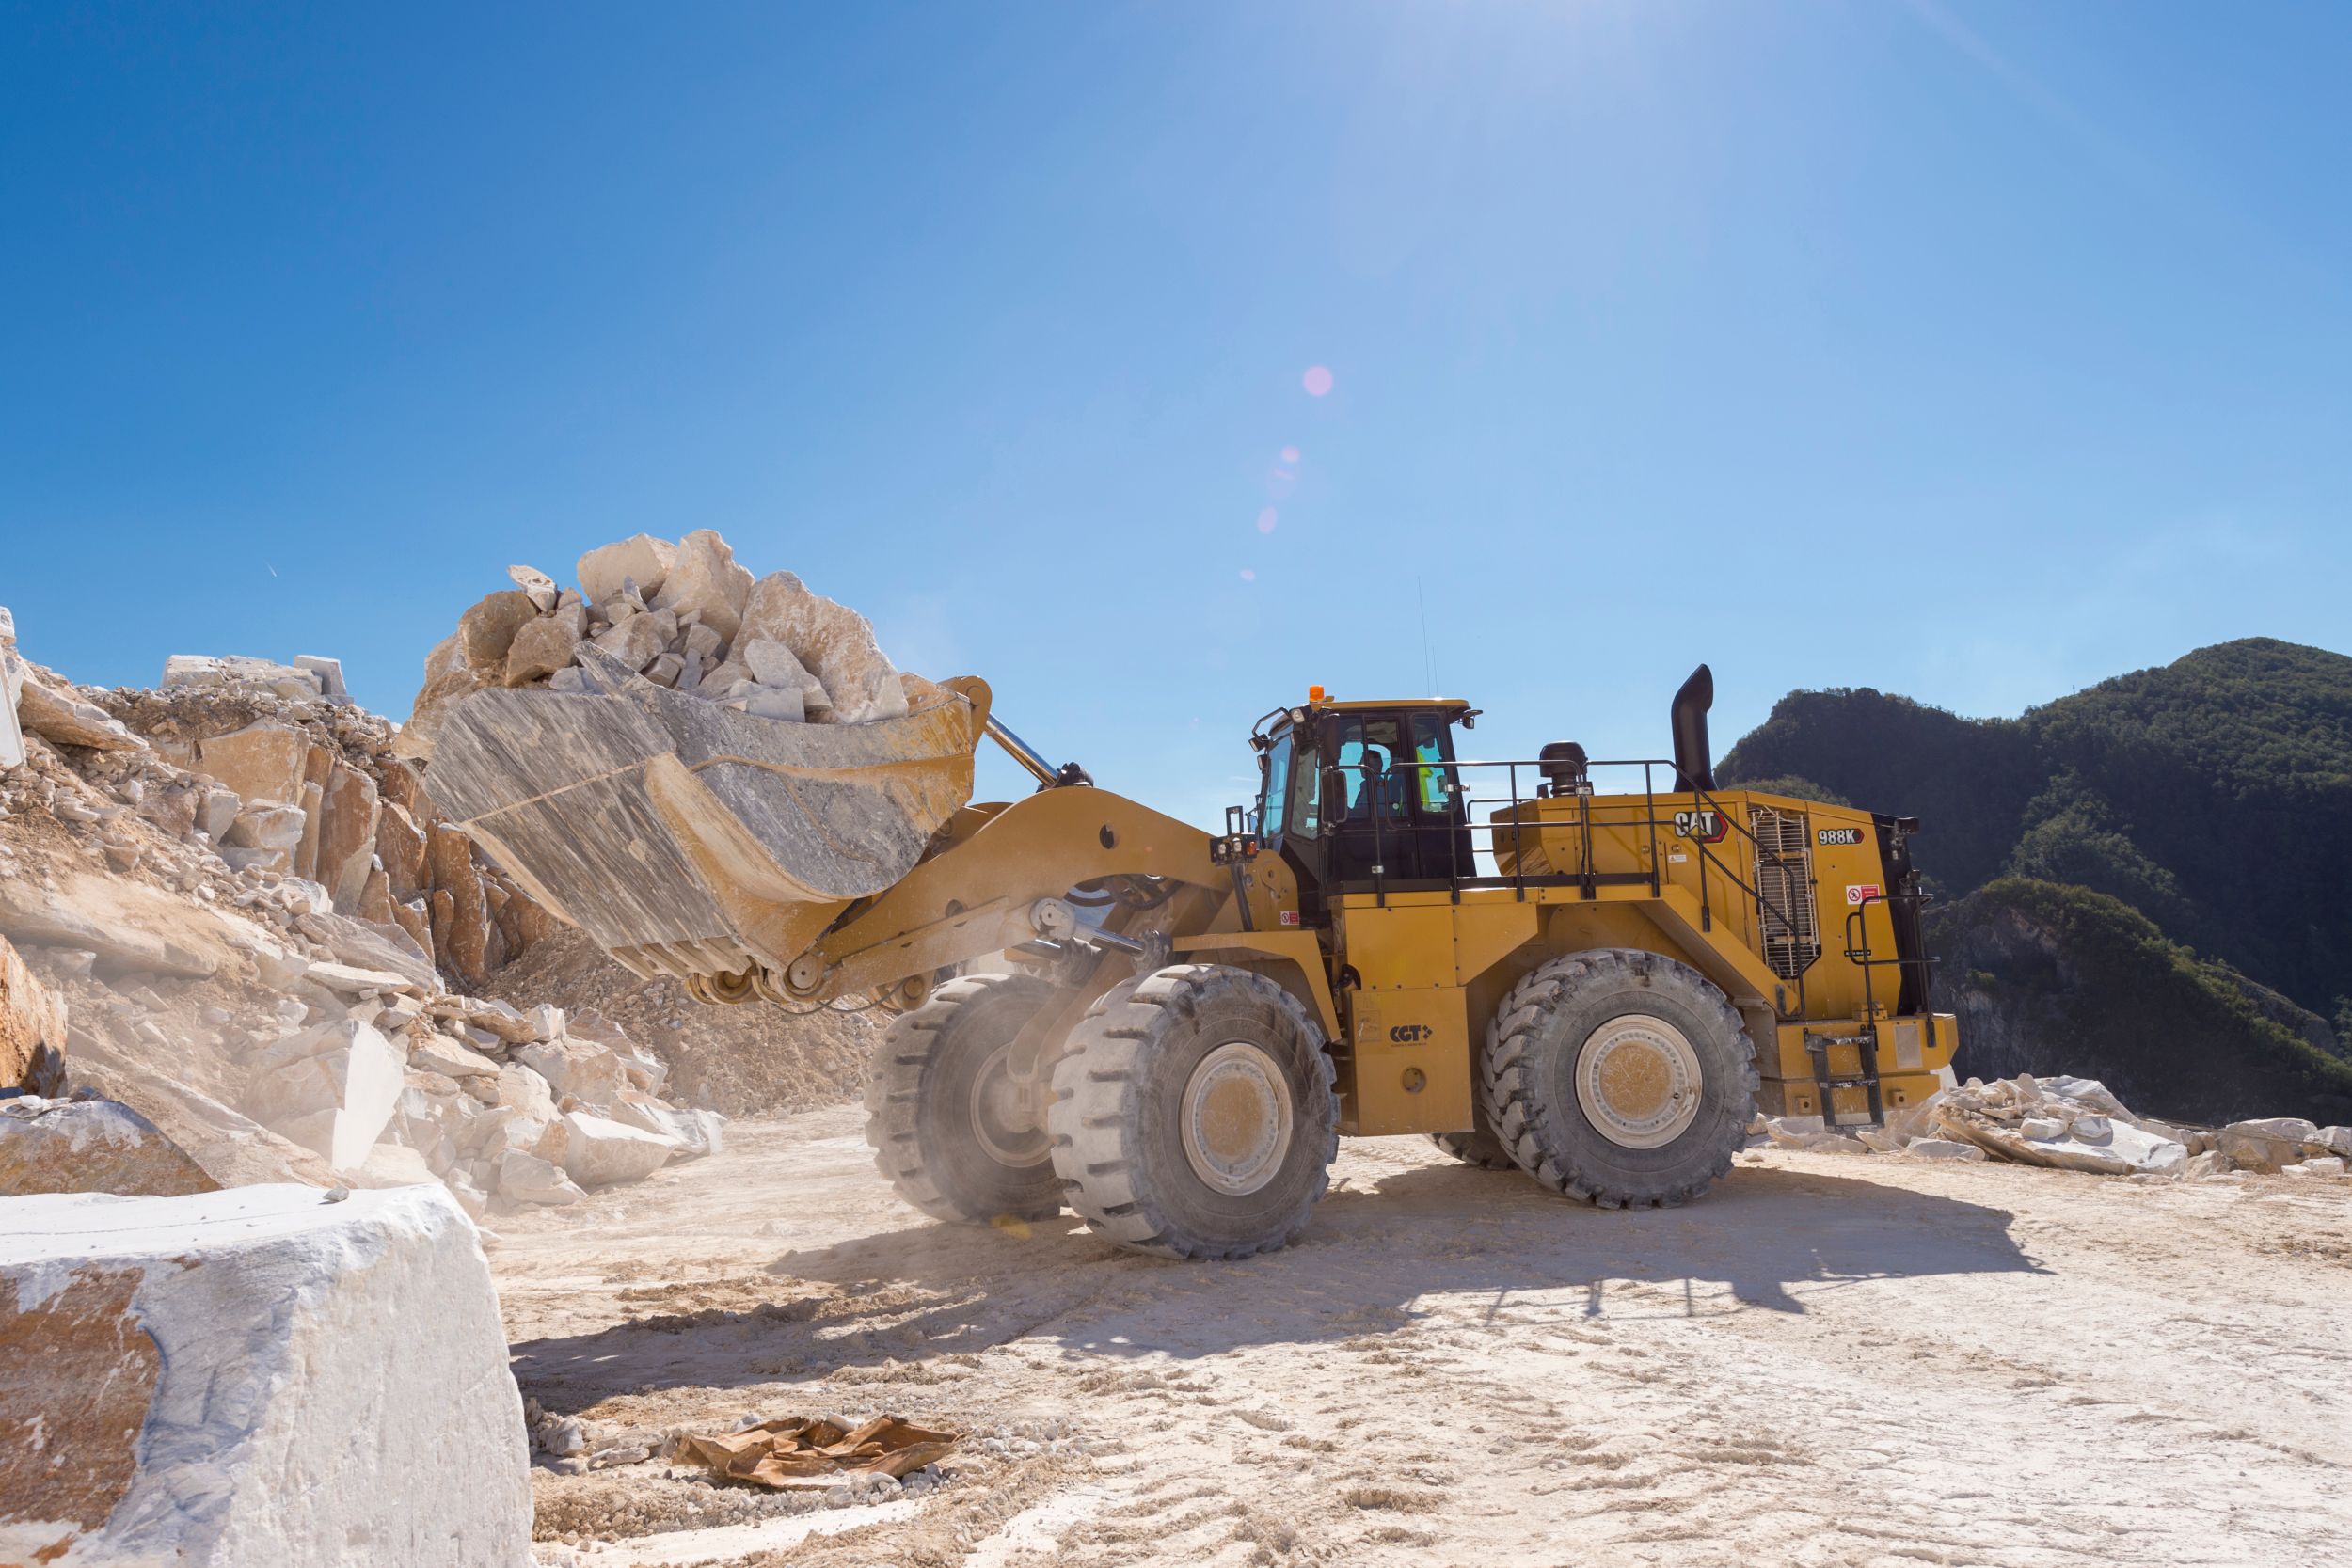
<point>1236,1118</point>
<point>1638,1081</point>
<point>1005,1122</point>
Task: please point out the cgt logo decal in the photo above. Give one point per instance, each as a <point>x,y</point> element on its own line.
<point>1410,1034</point>
<point>1707,825</point>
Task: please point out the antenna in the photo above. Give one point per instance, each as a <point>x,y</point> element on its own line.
<point>1428,664</point>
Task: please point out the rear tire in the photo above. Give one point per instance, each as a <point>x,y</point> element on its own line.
<point>1619,1076</point>
<point>1195,1116</point>
<point>1479,1146</point>
<point>937,1106</point>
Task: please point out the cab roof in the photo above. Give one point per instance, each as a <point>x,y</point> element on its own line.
<point>1262,734</point>
<point>1387,702</point>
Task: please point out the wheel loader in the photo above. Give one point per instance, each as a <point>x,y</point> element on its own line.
<point>1596,972</point>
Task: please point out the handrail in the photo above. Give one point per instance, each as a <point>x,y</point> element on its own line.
<point>1586,873</point>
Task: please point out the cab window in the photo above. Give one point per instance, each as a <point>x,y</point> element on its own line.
<point>1275,795</point>
<point>1432,778</point>
<point>1306,794</point>
<point>1371,779</point>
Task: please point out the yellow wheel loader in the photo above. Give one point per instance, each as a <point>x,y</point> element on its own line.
<point>1102,1008</point>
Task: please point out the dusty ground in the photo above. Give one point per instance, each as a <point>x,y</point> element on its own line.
<point>1829,1360</point>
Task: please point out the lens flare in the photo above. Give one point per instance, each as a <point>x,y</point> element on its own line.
<point>1290,455</point>
<point>1266,520</point>
<point>1317,380</point>
<point>1248,575</point>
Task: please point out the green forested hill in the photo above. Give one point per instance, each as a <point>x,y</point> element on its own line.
<point>2211,795</point>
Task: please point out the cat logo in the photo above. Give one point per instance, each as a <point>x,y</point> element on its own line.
<point>1832,838</point>
<point>1707,825</point>
<point>1409,1034</point>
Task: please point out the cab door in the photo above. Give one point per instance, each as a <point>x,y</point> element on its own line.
<point>1392,800</point>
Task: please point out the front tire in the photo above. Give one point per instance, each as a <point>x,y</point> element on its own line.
<point>1195,1116</point>
<point>1619,1076</point>
<point>942,1117</point>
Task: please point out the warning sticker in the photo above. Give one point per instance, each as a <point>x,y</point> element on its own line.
<point>1857,891</point>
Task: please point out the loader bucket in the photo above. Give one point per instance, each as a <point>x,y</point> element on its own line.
<point>688,839</point>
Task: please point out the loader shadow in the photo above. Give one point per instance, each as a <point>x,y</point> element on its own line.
<point>899,1307</point>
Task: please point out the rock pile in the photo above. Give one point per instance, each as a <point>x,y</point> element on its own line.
<point>530,1108</point>
<point>684,615</point>
<point>263,940</point>
<point>2066,1123</point>
<point>2075,1124</point>
<point>307,786</point>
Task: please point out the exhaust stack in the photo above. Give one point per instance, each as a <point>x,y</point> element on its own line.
<point>1695,764</point>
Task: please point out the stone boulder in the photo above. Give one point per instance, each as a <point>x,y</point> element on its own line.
<point>536,585</point>
<point>637,640</point>
<point>400,843</point>
<point>451,1059</point>
<point>32,1023</point>
<point>590,1073</point>
<point>257,1378</point>
<point>487,631</point>
<point>600,1151</point>
<point>55,714</point>
<point>642,559</point>
<point>832,641</point>
<point>525,1093</point>
<point>330,1089</point>
<point>35,916</point>
<point>346,847</point>
<point>2267,1144</point>
<point>229,1146</point>
<point>12,674</point>
<point>328,672</point>
<point>305,678</point>
<point>91,1146</point>
<point>697,1134</point>
<point>706,581</point>
<point>538,651</point>
<point>263,761</point>
<point>267,834</point>
<point>526,1178</point>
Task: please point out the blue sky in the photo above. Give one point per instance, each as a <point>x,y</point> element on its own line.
<point>1975,351</point>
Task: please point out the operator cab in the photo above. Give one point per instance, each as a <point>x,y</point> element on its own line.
<point>1355,796</point>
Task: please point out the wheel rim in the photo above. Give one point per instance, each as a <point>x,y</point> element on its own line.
<point>1236,1117</point>
<point>1001,1122</point>
<point>1638,1081</point>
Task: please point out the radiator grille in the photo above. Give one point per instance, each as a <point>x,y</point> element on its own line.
<point>1784,881</point>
